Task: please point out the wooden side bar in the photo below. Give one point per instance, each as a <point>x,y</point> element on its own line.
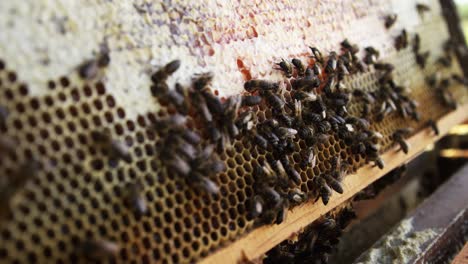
<point>462,256</point>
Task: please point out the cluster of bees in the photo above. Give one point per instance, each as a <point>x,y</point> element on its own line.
<point>181,149</point>
<point>441,84</point>
<point>317,241</point>
<point>315,110</point>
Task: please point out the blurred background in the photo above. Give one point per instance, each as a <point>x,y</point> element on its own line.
<point>463,11</point>
<point>423,176</point>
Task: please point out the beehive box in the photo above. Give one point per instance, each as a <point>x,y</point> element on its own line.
<point>52,111</point>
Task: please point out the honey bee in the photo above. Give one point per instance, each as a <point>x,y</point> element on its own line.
<point>403,131</point>
<point>246,120</point>
<point>367,97</point>
<point>271,137</point>
<point>256,206</point>
<point>167,70</point>
<point>175,120</point>
<point>309,74</point>
<point>331,63</point>
<point>346,216</point>
<point>327,88</point>
<point>447,98</point>
<point>213,102</point>
<point>306,84</point>
<point>187,150</point>
<point>116,149</point>
<point>317,55</point>
<point>215,166</point>
<point>158,89</point>
<point>272,123</point>
<point>274,100</point>
<point>321,138</point>
<point>293,175</point>
<point>231,107</point>
<point>103,59</point>
<point>422,8</point>
<point>401,41</point>
<point>265,175</point>
<point>271,196</point>
<point>282,212</point>
<point>340,168</point>
<point>7,145</point>
<point>285,132</point>
<point>296,196</point>
<point>251,100</point>
<point>134,199</point>
<point>299,66</point>
<point>317,69</point>
<point>27,171</point>
<point>369,59</point>
<point>335,126</point>
<point>327,223</point>
<point>449,46</point>
<point>179,165</point>
<point>359,148</point>
<point>88,69</point>
<point>325,191</point>
<point>460,79</point>
<point>379,163</point>
<point>416,43</point>
<point>373,51</point>
<point>421,59</point>
<point>333,183</point>
<point>268,217</point>
<point>445,61</point>
<point>178,100</point>
<point>254,85</point>
<point>346,45</point>
<point>204,183</point>
<point>202,107</point>
<point>260,141</point>
<point>285,119</point>
<point>390,20</point>
<point>323,127</point>
<point>360,123</point>
<point>433,125</point>
<point>306,132</point>
<point>98,250</point>
<point>298,109</point>
<point>191,136</point>
<point>213,132</point>
<point>280,169</point>
<point>202,81</point>
<point>403,144</point>
<point>398,136</point>
<point>285,67</point>
<point>384,67</point>
<point>3,116</point>
<point>360,66</point>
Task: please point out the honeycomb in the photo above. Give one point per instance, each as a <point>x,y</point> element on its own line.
<point>77,196</point>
